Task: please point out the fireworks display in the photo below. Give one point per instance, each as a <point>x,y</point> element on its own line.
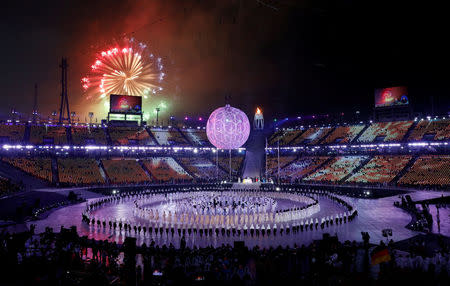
<point>126,69</point>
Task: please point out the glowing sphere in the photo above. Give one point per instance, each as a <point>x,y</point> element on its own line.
<point>227,128</point>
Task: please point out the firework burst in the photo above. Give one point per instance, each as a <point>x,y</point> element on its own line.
<point>128,69</point>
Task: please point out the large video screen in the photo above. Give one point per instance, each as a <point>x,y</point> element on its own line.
<point>391,96</point>
<point>125,103</point>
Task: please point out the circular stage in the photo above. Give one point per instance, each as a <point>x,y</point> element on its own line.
<point>208,216</point>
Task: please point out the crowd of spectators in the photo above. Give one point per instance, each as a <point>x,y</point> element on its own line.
<point>130,136</point>
<point>48,135</point>
<point>387,131</point>
<point>336,169</point>
<point>79,171</point>
<point>343,134</point>
<point>166,169</point>
<point>83,135</point>
<point>38,167</point>
<point>10,133</point>
<point>428,170</point>
<point>202,168</point>
<point>125,171</point>
<point>65,258</point>
<point>380,169</point>
<point>438,128</point>
<point>311,136</point>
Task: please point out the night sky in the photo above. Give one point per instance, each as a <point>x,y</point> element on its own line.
<point>289,57</point>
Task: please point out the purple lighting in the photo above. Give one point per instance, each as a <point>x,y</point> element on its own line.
<point>227,128</point>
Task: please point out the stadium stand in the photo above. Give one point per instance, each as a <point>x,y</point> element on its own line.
<point>336,169</point>
<point>284,136</point>
<point>166,169</point>
<point>343,134</point>
<point>79,171</point>
<point>124,171</point>
<point>48,135</point>
<point>130,136</point>
<point>201,167</point>
<point>311,136</point>
<point>438,129</point>
<point>236,163</point>
<point>301,167</point>
<point>169,137</point>
<point>272,163</point>
<point>38,167</point>
<point>10,133</point>
<point>82,135</point>
<point>380,169</point>
<point>197,137</point>
<point>385,131</point>
<point>429,170</point>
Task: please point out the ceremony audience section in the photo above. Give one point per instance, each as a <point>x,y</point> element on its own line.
<point>130,136</point>
<point>79,171</point>
<point>38,167</point>
<point>429,170</point>
<point>10,133</point>
<point>198,137</point>
<point>48,135</point>
<point>312,136</point>
<point>202,168</point>
<point>120,171</point>
<point>343,134</point>
<point>380,169</point>
<point>165,169</point>
<point>337,169</point>
<point>302,167</point>
<point>272,163</point>
<point>385,131</point>
<point>169,137</point>
<point>88,135</point>
<point>436,129</point>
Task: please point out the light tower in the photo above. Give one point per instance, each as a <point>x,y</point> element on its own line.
<point>258,121</point>
<point>64,107</point>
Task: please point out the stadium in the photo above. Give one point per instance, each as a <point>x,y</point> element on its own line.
<point>233,197</point>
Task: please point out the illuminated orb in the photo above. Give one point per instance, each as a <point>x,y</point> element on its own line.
<point>227,128</point>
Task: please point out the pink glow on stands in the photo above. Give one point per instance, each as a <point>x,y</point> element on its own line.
<point>228,128</point>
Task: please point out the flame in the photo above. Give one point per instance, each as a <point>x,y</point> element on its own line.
<point>258,111</point>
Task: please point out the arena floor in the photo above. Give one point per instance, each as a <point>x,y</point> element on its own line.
<point>373,216</point>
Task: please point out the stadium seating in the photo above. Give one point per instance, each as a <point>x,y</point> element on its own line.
<point>311,136</point>
<point>343,134</point>
<point>130,136</point>
<point>169,137</point>
<point>124,171</point>
<point>38,167</point>
<point>284,137</point>
<point>428,170</point>
<point>201,168</point>
<point>385,131</point>
<point>272,163</point>
<point>336,169</point>
<point>82,135</point>
<point>165,169</point>
<point>48,135</point>
<point>11,133</point>
<point>197,137</point>
<point>302,167</point>
<point>79,171</point>
<point>380,169</point>
<point>224,162</point>
<point>438,130</point>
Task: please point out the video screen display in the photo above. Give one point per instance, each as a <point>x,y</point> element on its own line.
<point>391,96</point>
<point>125,103</point>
